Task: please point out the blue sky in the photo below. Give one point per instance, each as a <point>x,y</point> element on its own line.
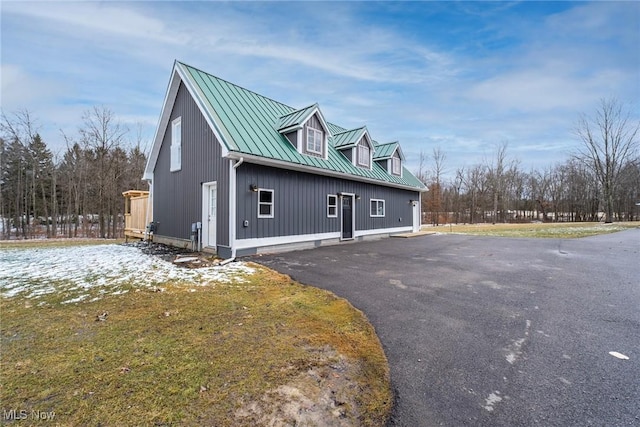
<point>462,76</point>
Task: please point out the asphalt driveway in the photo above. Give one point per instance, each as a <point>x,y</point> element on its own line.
<point>495,331</point>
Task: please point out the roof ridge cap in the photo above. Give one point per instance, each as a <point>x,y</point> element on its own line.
<point>350,130</point>
<point>299,109</point>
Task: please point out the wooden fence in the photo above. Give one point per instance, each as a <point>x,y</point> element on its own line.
<point>136,204</point>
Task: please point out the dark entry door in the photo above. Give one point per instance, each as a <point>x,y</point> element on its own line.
<point>347,217</point>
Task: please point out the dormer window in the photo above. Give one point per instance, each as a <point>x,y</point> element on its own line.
<point>364,154</point>
<point>389,156</point>
<point>314,141</point>
<point>306,130</point>
<point>396,166</point>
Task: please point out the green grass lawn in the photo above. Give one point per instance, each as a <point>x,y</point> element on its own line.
<point>542,230</point>
<point>226,354</point>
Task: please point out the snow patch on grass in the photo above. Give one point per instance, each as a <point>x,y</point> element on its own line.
<point>72,271</point>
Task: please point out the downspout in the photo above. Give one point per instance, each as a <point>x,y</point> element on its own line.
<point>147,230</point>
<point>232,218</point>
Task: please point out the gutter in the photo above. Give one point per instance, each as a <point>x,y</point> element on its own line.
<point>149,218</point>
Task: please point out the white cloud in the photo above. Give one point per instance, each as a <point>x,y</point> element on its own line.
<point>536,90</point>
<point>91,17</point>
<point>20,88</point>
<point>403,83</point>
<point>350,49</point>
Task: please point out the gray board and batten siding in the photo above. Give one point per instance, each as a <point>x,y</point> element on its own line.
<point>179,203</point>
<point>300,203</point>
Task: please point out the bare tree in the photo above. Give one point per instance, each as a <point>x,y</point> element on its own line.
<point>475,183</point>
<point>19,170</point>
<point>457,187</point>
<point>609,142</point>
<point>101,133</point>
<point>435,186</point>
<point>629,193</point>
<point>497,177</point>
<point>421,173</point>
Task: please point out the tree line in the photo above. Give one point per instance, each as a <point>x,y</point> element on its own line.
<point>76,193</point>
<point>599,181</point>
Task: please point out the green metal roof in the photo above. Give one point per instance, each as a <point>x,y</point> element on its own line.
<point>385,151</point>
<point>296,118</point>
<point>249,123</point>
<point>348,138</point>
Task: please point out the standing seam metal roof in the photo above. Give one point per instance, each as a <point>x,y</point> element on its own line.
<point>296,118</point>
<point>385,151</point>
<point>251,121</point>
<point>349,138</point>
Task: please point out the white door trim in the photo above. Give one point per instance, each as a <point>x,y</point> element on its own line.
<point>416,216</point>
<point>353,215</point>
<point>206,188</point>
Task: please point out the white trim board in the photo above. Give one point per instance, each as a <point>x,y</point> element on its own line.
<point>359,233</point>
<point>300,238</point>
<point>282,240</point>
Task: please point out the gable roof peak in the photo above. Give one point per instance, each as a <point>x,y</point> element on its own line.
<point>349,138</point>
<point>308,107</point>
<point>364,127</point>
<point>297,118</point>
<point>387,150</point>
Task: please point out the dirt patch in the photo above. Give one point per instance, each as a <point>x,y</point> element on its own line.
<point>324,395</point>
<point>179,257</point>
<point>167,253</point>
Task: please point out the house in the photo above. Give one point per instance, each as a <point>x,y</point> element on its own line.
<point>248,174</point>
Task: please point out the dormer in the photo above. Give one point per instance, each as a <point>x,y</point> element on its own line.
<point>306,130</point>
<point>389,156</point>
<point>356,145</point>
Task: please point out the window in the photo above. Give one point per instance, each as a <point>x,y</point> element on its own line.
<point>396,166</point>
<point>332,206</point>
<point>364,158</point>
<point>377,207</point>
<point>176,145</point>
<point>314,141</point>
<point>265,203</point>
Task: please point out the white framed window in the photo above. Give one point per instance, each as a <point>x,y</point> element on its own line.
<point>314,141</point>
<point>332,206</point>
<point>377,208</point>
<point>176,145</point>
<point>364,154</point>
<point>396,166</point>
<point>265,203</point>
